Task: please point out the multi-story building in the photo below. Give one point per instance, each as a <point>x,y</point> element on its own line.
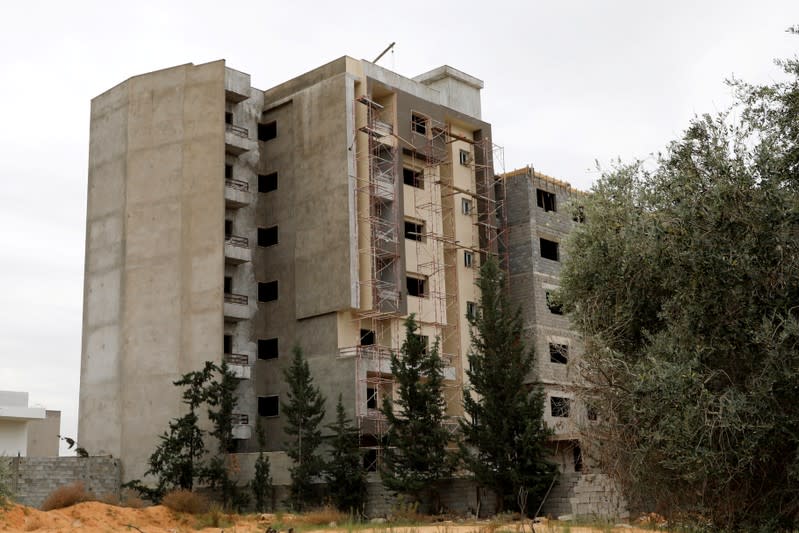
<point>227,222</point>
<point>540,213</point>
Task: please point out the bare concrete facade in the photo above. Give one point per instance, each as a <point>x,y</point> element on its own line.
<point>540,213</point>
<point>229,222</point>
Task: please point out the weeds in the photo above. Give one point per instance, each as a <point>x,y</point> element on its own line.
<point>66,496</point>
<point>185,501</point>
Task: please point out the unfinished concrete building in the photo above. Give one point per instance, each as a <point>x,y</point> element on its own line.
<point>540,213</point>
<point>227,222</point>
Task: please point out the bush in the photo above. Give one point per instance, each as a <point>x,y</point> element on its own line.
<point>186,501</point>
<point>5,481</point>
<point>66,496</point>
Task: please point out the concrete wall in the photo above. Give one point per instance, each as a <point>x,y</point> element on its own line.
<point>43,435</point>
<point>34,478</point>
<point>154,254</point>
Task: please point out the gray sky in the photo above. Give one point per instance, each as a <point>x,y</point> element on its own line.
<point>566,83</point>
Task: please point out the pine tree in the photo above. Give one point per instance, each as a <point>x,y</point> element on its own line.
<point>504,443</point>
<point>304,412</point>
<point>261,484</point>
<point>345,472</point>
<point>416,457</point>
<point>176,461</point>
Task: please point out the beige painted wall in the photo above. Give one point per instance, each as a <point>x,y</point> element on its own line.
<point>154,254</point>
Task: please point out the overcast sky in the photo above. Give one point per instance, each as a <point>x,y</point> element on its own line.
<point>566,83</point>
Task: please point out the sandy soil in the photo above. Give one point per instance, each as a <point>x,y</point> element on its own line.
<point>95,517</point>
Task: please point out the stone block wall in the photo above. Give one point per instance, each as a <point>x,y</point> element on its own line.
<point>33,478</point>
<point>587,495</point>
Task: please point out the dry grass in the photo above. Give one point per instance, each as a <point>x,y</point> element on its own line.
<point>322,517</point>
<point>185,501</point>
<point>66,496</point>
<point>127,498</point>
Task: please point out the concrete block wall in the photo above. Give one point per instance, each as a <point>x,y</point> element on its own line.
<point>586,495</point>
<point>34,478</point>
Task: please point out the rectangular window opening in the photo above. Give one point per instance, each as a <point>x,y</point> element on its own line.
<point>591,413</point>
<point>555,307</point>
<point>267,131</point>
<point>228,117</point>
<point>228,172</point>
<point>269,405</point>
<point>549,249</point>
<point>268,348</point>
<point>471,310</point>
<point>466,206</point>
<point>228,285</point>
<point>227,344</point>
<point>267,292</point>
<point>228,228</point>
<point>371,397</point>
<point>367,337</point>
<point>267,182</point>
<point>414,231</point>
<point>267,236</point>
<point>413,178</point>
<point>545,200</point>
<point>464,157</point>
<point>425,340</point>
<point>559,407</point>
<point>370,460</point>
<point>558,353</point>
<point>416,286</point>
<point>468,259</point>
<point>419,123</point>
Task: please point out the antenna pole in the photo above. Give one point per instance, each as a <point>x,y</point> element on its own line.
<point>389,47</point>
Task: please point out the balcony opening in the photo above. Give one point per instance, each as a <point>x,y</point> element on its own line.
<point>370,460</point>
<point>267,349</point>
<point>367,337</point>
<point>559,406</point>
<point>545,200</point>
<point>413,178</point>
<point>558,353</point>
<point>267,236</point>
<point>228,228</point>
<point>417,286</point>
<point>228,284</point>
<point>419,124</point>
<point>269,406</point>
<point>228,172</point>
<point>267,182</point>
<point>227,344</point>
<point>549,249</point>
<point>414,231</point>
<point>267,292</point>
<point>228,117</point>
<point>267,131</point>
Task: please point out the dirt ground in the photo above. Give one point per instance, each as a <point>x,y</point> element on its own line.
<point>95,517</point>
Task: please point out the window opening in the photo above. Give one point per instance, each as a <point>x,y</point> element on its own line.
<point>464,157</point>
<point>227,344</point>
<point>413,178</point>
<point>267,348</point>
<point>371,397</point>
<point>267,236</point>
<point>267,182</point>
<point>416,286</point>
<point>558,353</point>
<point>228,284</point>
<point>414,231</point>
<point>545,200</point>
<point>549,249</point>
<point>267,292</point>
<point>578,458</point>
<point>228,172</point>
<point>468,259</point>
<point>267,131</point>
<point>559,407</point>
<point>228,117</point>
<point>471,310</point>
<point>419,124</point>
<point>268,405</point>
<point>466,206</point>
<point>555,307</point>
<point>367,337</point>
